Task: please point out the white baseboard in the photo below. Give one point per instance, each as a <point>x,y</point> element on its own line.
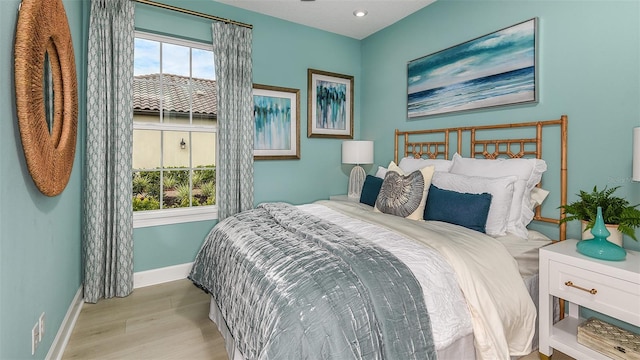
<point>66,328</point>
<point>162,275</point>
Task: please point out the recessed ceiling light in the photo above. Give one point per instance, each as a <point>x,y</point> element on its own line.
<point>360,13</point>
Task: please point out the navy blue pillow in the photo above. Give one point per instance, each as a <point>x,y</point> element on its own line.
<point>370,190</point>
<point>468,210</point>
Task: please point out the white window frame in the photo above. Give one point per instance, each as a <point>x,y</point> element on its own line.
<point>177,215</point>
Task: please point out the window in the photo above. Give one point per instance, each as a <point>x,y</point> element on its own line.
<point>174,131</point>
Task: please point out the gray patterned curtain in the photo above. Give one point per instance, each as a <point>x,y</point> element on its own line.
<point>108,215</point>
<point>232,53</point>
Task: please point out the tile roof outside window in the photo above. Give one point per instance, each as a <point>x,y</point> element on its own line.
<point>146,94</point>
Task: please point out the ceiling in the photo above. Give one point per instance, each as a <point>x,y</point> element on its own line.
<point>335,16</point>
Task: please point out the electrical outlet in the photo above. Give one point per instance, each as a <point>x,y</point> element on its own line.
<point>35,336</point>
<point>41,327</point>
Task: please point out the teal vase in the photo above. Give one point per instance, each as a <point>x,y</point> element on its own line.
<point>599,247</point>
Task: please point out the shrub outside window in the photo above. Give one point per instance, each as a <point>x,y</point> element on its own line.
<point>174,131</point>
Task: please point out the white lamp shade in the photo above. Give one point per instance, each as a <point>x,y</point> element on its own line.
<point>636,154</point>
<point>357,152</point>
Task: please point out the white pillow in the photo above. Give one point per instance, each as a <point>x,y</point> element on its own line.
<point>404,194</point>
<point>501,190</point>
<point>519,210</point>
<point>528,171</point>
<point>381,172</point>
<point>409,164</point>
<point>537,197</point>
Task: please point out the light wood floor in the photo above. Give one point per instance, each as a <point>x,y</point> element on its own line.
<point>166,321</point>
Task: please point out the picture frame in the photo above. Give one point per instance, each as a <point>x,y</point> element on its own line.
<point>276,114</point>
<point>496,69</point>
<point>329,105</point>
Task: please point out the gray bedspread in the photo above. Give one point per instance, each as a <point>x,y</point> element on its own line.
<point>293,286</point>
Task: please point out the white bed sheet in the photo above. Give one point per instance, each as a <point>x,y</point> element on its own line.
<point>526,254</point>
<point>525,251</point>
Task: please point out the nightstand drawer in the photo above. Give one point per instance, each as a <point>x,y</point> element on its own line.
<point>599,292</point>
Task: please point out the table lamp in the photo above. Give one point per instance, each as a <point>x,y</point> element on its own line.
<point>357,152</point>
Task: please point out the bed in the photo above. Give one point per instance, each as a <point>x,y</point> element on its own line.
<point>435,261</point>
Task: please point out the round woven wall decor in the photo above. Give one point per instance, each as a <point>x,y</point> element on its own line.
<point>43,31</point>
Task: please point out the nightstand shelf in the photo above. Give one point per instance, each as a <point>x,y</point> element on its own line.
<point>563,338</point>
<point>611,288</point>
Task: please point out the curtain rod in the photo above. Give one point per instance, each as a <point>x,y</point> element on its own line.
<point>191,12</point>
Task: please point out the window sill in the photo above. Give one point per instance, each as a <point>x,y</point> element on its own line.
<point>174,216</point>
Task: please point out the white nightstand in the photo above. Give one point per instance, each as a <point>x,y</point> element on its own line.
<point>343,198</point>
<point>608,287</point>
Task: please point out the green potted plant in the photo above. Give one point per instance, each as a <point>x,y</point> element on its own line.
<point>618,215</point>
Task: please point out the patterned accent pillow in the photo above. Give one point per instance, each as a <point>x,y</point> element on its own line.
<point>404,195</point>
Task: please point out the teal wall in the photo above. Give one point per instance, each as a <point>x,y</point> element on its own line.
<point>589,53</point>
<point>161,246</point>
<point>282,53</point>
<point>40,252</point>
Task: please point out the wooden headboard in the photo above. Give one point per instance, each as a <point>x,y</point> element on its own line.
<point>491,142</point>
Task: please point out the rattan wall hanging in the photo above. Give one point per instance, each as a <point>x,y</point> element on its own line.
<point>46,93</point>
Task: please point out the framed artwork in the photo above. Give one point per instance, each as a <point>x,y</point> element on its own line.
<point>276,115</point>
<point>493,70</point>
<point>330,105</point>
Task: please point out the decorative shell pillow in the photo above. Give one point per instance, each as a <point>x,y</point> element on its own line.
<point>404,194</point>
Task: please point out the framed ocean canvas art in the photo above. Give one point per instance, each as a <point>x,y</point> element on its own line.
<point>493,70</point>
<point>329,105</point>
<point>276,114</point>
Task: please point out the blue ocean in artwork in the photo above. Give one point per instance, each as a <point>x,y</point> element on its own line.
<point>495,69</point>
<point>272,116</point>
<point>516,84</point>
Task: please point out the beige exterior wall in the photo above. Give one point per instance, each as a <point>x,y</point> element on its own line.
<point>147,145</point>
